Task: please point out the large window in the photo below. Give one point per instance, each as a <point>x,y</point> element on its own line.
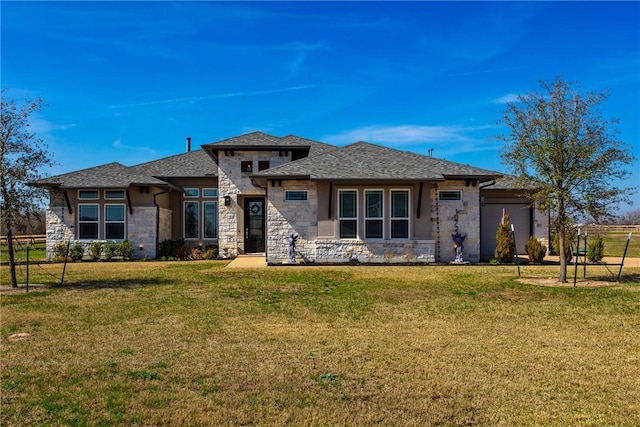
<point>210,215</point>
<point>374,214</point>
<point>399,214</point>
<point>114,222</point>
<point>191,220</point>
<point>348,214</point>
<point>88,221</point>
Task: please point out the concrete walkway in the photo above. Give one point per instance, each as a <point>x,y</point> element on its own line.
<point>248,261</point>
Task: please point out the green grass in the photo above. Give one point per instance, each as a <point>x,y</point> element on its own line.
<point>615,242</point>
<point>37,252</point>
<point>191,343</point>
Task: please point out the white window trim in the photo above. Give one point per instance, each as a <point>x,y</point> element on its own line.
<point>356,218</point>
<point>105,222</point>
<point>305,200</point>
<point>408,217</point>
<point>88,222</point>
<point>209,197</point>
<point>124,195</point>
<point>186,196</point>
<point>203,220</point>
<point>184,220</point>
<point>366,217</point>
<point>89,198</point>
<point>459,192</point>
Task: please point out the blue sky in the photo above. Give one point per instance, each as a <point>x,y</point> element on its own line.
<point>129,81</point>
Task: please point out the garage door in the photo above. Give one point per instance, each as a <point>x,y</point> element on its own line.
<point>491,215</point>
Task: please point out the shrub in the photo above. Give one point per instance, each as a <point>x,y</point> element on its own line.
<point>95,250</point>
<point>196,254</point>
<point>76,252</point>
<point>504,237</point>
<point>535,250</point>
<point>210,252</point>
<point>125,249</point>
<point>570,237</point>
<point>595,249</point>
<point>109,250</point>
<point>169,248</point>
<point>60,250</point>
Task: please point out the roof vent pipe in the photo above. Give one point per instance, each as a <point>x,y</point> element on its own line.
<point>188,144</point>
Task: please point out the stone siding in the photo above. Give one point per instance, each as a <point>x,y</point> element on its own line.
<point>391,252</point>
<point>60,227</point>
<point>141,230</point>
<point>443,216</point>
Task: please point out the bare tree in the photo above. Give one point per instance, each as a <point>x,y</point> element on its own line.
<point>559,139</point>
<point>22,155</point>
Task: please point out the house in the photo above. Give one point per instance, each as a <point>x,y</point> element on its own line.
<point>248,194</point>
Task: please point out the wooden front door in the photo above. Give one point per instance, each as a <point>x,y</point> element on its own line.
<point>254,230</point>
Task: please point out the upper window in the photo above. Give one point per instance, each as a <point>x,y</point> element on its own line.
<point>114,194</point>
<point>88,194</point>
<point>262,165</point>
<point>451,195</point>
<point>88,220</point>
<point>296,196</point>
<point>348,214</point>
<point>374,217</point>
<point>191,192</point>
<point>114,222</point>
<point>210,192</point>
<point>246,166</point>
<point>399,214</point>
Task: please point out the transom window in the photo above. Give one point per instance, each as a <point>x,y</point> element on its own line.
<point>210,192</point>
<point>374,214</point>
<point>191,192</point>
<point>450,196</point>
<point>88,194</point>
<point>114,194</point>
<point>348,214</point>
<point>296,196</point>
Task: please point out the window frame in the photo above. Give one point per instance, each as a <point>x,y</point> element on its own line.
<point>246,166</point>
<point>393,218</point>
<point>123,197</point>
<point>88,198</point>
<point>184,219</point>
<point>264,165</point>
<point>191,196</point>
<point>205,196</point>
<point>342,219</point>
<point>294,200</point>
<point>96,222</point>
<point>450,192</point>
<point>204,219</point>
<point>123,222</point>
<point>368,219</point>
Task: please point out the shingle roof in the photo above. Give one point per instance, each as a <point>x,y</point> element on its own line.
<point>195,163</point>
<point>365,161</point>
<point>104,176</point>
<point>261,140</point>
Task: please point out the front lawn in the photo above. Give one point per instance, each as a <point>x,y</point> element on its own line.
<point>191,343</point>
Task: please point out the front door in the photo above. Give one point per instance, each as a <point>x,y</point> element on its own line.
<point>253,225</point>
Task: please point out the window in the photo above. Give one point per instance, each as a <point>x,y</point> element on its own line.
<point>88,194</point>
<point>262,165</point>
<point>114,220</point>
<point>348,214</point>
<point>88,220</point>
<point>448,196</point>
<point>296,196</point>
<point>246,166</point>
<point>191,220</point>
<point>374,218</point>
<point>210,216</point>
<point>210,192</point>
<point>399,214</point>
<point>191,192</point>
<point>114,194</point>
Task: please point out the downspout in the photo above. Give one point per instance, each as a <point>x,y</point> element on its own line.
<point>155,203</point>
<point>266,219</point>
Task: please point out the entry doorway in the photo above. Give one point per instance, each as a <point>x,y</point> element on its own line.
<point>254,225</point>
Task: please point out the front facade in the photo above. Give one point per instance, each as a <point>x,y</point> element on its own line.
<point>250,194</point>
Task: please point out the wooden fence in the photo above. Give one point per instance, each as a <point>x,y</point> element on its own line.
<point>596,228</point>
<point>26,238</point>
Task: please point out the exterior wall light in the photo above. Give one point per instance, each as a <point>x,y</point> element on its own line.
<point>227,200</point>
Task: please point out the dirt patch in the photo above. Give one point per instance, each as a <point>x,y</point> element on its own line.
<point>552,282</point>
<point>23,289</point>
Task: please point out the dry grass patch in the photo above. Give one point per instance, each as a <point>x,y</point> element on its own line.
<point>194,344</point>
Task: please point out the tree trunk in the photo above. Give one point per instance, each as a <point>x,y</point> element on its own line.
<point>12,259</point>
<point>563,256</point>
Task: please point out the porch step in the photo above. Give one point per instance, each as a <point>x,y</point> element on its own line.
<point>248,261</point>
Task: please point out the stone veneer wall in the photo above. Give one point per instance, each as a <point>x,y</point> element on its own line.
<point>286,218</point>
<point>443,215</point>
<point>141,229</point>
<point>388,251</point>
<point>233,182</point>
<point>59,227</point>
